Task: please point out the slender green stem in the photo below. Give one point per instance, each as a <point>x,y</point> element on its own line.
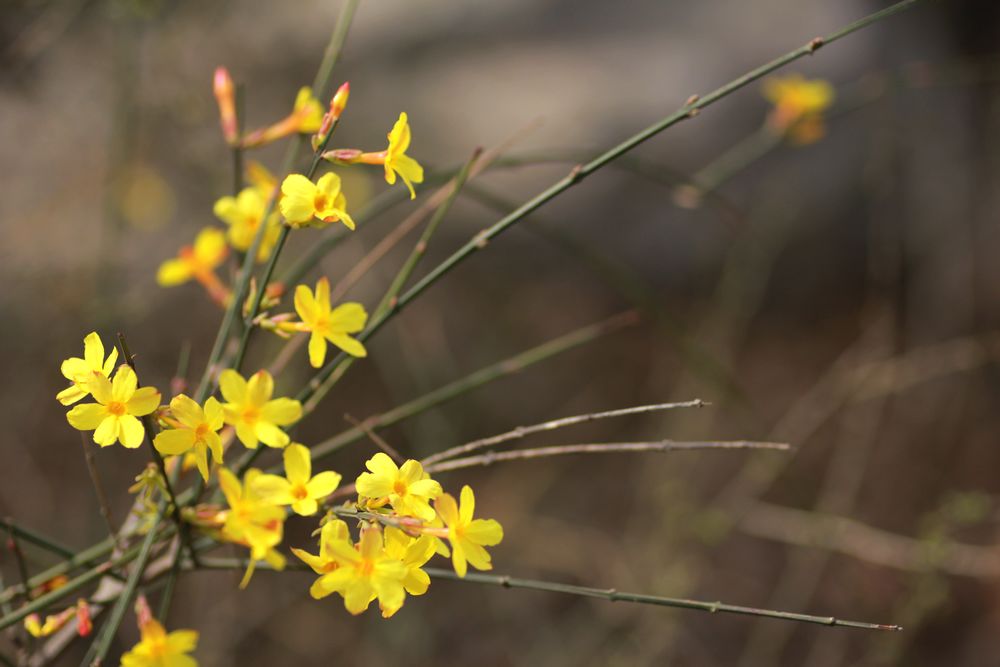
<point>88,556</point>
<point>99,649</point>
<point>613,595</point>
<point>238,102</point>
<point>481,377</point>
<point>389,299</point>
<point>36,538</point>
<point>581,171</point>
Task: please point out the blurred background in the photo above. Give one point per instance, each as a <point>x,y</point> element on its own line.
<point>843,297</point>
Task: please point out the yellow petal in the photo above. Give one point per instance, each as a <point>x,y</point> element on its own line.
<point>232,385</point>
<point>271,435</point>
<point>93,351</point>
<point>487,532</point>
<point>87,417</point>
<point>298,202</point>
<point>298,464</point>
<point>173,272</point>
<point>305,305</point>
<point>317,349</point>
<point>210,247</point>
<point>351,346</point>
<point>273,490</point>
<point>143,401</point>
<point>174,442</point>
<point>323,484</point>
<point>348,318</point>
<point>260,387</point>
<point>282,411</point>
<point>186,411</point>
<point>131,433</point>
<point>107,431</point>
<point>123,384</point>
<point>467,505</point>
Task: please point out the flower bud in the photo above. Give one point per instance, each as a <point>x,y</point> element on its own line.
<point>225,97</point>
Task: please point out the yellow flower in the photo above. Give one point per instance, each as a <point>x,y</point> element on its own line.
<point>243,213</point>
<point>363,574</point>
<point>159,649</point>
<point>316,204</point>
<point>408,489</point>
<point>80,371</point>
<point>251,410</point>
<point>324,563</point>
<point>396,160</point>
<point>308,110</point>
<point>413,553</point>
<point>250,521</point>
<point>198,431</point>
<point>115,415</point>
<point>325,324</point>
<point>468,536</point>
<point>195,262</point>
<point>298,488</point>
<point>798,106</point>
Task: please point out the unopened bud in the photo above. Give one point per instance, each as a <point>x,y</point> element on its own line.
<point>332,115</point>
<point>226,98</point>
<point>339,101</point>
<point>347,155</point>
<point>84,623</point>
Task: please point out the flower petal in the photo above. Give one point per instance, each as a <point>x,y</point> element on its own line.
<point>124,383</point>
<point>260,387</point>
<point>87,417</point>
<point>467,504</point>
<point>143,401</point>
<point>323,484</point>
<point>130,431</point>
<point>271,435</point>
<point>232,385</point>
<point>348,318</point>
<point>317,349</point>
<point>298,465</point>
<point>281,411</point>
<point>173,442</point>
<point>349,345</point>
<point>186,411</point>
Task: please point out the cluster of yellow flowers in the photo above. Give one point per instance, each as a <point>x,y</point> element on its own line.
<point>403,516</point>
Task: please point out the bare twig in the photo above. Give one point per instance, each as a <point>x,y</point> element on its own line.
<point>524,431</point>
<point>377,439</point>
<point>99,491</point>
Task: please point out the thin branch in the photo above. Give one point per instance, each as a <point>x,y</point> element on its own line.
<point>524,431</point>
<point>613,595</point>
<point>22,567</point>
<point>99,491</point>
<point>490,458</point>
<point>377,439</point>
<point>481,377</point>
<point>36,538</point>
<point>689,110</point>
<point>391,295</point>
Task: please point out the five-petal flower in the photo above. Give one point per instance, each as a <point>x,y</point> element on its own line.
<point>119,405</point>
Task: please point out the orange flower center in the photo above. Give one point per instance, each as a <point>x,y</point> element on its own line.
<point>202,430</point>
<point>399,487</point>
<point>320,202</point>
<point>250,415</point>
<point>299,492</point>
<point>117,408</point>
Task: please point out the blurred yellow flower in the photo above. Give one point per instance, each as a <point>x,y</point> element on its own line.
<point>159,649</point>
<point>243,213</point>
<point>80,371</point>
<point>468,536</point>
<point>298,488</point>
<point>197,429</point>
<point>250,520</point>
<point>325,324</point>
<point>252,411</point>
<point>798,106</point>
<point>408,489</point>
<point>306,117</point>
<point>333,530</point>
<point>315,204</point>
<point>115,415</point>
<point>198,262</point>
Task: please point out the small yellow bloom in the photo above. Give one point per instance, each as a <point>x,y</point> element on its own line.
<point>80,371</point>
<point>198,431</point>
<point>468,536</point>
<point>408,489</point>
<point>196,262</point>
<point>363,574</point>
<point>798,106</point>
<point>325,324</point>
<point>308,110</point>
<point>251,410</point>
<point>115,415</point>
<point>413,553</point>
<point>298,488</point>
<point>396,160</point>
<point>315,204</point>
<point>159,649</point>
<point>250,521</point>
<point>324,563</point>
<point>243,213</point>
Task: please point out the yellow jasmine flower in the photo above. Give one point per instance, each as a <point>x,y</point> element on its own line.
<point>316,204</point>
<point>396,160</point>
<point>80,371</point>
<point>251,410</point>
<point>243,213</point>
<point>363,574</point>
<point>159,649</point>
<point>198,262</point>
<point>325,324</point>
<point>250,521</point>
<point>119,404</point>
<point>298,488</point>
<point>468,536</point>
<point>413,553</point>
<point>194,262</point>
<point>408,489</point>
<point>324,563</point>
<point>198,431</point>
<point>260,178</point>
<point>798,106</point>
<point>306,117</point>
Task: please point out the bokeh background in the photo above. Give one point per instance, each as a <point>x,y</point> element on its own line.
<point>843,297</point>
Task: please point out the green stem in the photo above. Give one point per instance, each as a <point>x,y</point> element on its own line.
<point>389,299</point>
<point>581,171</point>
<point>36,538</point>
<point>481,377</point>
<point>613,595</point>
<point>99,649</point>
